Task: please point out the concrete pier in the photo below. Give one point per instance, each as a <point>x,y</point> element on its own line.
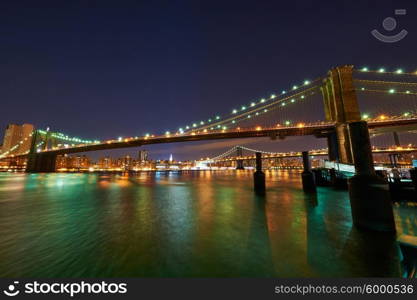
<point>259,175</point>
<point>41,162</point>
<point>307,176</point>
<point>413,175</point>
<point>369,195</point>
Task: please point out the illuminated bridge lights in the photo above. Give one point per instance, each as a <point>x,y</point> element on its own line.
<point>399,71</point>
<point>254,104</point>
<point>391,91</point>
<point>381,70</point>
<point>364,69</point>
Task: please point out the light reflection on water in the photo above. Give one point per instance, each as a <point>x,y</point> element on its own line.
<point>182,225</point>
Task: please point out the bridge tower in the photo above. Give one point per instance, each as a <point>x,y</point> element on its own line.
<point>340,106</point>
<point>239,162</point>
<point>350,144</point>
<point>40,162</point>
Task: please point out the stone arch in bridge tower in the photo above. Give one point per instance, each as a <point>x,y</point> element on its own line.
<point>340,106</point>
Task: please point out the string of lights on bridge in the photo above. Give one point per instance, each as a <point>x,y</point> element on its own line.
<point>67,138</point>
<point>253,109</point>
<point>382,70</point>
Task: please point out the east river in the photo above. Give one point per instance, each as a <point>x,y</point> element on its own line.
<point>185,224</point>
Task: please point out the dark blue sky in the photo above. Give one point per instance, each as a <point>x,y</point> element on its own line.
<point>103,69</point>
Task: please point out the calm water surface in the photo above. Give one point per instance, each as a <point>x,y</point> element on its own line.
<point>190,224</point>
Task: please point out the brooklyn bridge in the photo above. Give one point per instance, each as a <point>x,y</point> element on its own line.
<point>378,102</point>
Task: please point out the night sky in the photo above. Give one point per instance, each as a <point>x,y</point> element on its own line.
<point>103,69</point>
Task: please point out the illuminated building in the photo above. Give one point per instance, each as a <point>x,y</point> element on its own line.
<point>15,134</point>
<point>143,155</point>
<point>105,163</point>
<point>72,162</point>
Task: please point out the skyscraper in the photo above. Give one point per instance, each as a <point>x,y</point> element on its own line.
<point>17,138</point>
<point>143,155</point>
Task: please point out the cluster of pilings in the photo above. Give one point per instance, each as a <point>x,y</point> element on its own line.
<point>369,195</point>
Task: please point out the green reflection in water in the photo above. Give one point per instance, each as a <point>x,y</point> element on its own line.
<point>185,224</point>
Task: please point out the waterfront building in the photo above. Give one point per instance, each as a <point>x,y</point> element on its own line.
<point>17,135</point>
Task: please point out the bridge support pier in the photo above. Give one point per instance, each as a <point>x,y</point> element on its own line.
<point>333,147</point>
<point>369,195</point>
<point>307,176</point>
<point>41,162</point>
<point>413,174</point>
<point>259,176</point>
